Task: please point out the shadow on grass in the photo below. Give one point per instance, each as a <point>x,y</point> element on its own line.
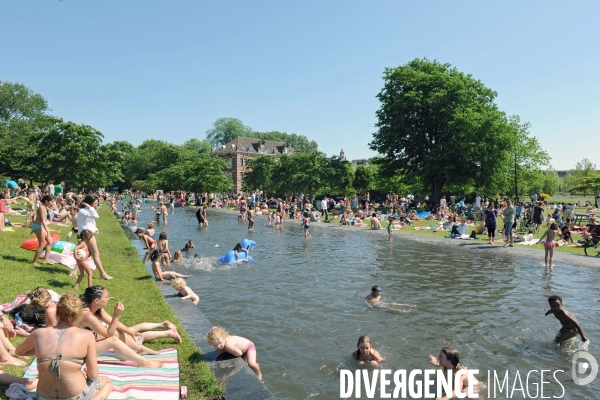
<point>50,268</point>
<point>19,259</point>
<point>195,357</point>
<point>54,282</point>
<point>143,278</point>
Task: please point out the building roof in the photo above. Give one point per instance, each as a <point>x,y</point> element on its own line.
<point>253,146</point>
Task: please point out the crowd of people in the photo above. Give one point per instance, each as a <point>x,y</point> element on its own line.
<point>49,320</point>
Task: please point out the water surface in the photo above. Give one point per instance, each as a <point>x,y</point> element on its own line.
<point>301,302</point>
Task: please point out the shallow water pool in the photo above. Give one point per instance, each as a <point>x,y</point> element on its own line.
<point>301,303</point>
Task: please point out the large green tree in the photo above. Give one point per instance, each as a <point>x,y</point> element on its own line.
<point>363,179</point>
<point>22,121</point>
<point>225,130</point>
<point>440,125</point>
<point>260,175</point>
<point>74,153</point>
<point>300,143</point>
<point>340,176</point>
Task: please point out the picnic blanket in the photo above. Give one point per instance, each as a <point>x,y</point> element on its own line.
<point>21,298</point>
<point>132,382</point>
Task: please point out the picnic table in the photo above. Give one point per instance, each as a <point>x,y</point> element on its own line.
<point>579,218</point>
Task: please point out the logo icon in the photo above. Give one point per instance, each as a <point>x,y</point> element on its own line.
<point>581,367</point>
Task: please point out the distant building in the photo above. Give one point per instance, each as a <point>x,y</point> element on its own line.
<point>362,161</point>
<point>237,153</point>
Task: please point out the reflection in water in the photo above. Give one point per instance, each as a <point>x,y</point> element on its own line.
<point>301,302</point>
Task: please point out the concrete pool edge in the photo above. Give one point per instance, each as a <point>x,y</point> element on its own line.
<point>240,381</point>
<point>243,383</point>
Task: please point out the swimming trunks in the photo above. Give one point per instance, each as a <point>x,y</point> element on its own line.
<point>306,226</point>
<point>75,230</point>
<point>36,227</point>
<point>549,244</point>
<point>574,332</point>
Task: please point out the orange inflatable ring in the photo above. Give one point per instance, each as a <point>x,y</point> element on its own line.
<point>33,243</point>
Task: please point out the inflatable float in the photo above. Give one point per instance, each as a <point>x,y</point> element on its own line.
<point>231,259</point>
<point>248,244</point>
<point>33,243</point>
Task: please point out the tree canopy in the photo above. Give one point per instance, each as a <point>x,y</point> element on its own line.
<point>224,130</point>
<point>440,126</point>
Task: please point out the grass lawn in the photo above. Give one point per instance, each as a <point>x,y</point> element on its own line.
<point>409,230</point>
<point>142,299</point>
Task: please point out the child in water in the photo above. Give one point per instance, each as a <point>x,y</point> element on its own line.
<point>570,325</point>
<point>389,229</point>
<point>306,224</point>
<point>159,274</point>
<point>448,360</point>
<point>82,264</point>
<point>163,247</point>
<point>184,291</point>
<point>364,353</point>
<point>239,248</point>
<point>150,230</point>
<point>550,234</point>
<point>148,241</point>
<point>235,345</point>
<point>177,257</point>
<point>189,246</point>
<point>374,299</point>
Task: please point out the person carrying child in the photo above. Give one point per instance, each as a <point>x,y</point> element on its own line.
<point>237,346</point>
<point>570,326</point>
<point>365,353</point>
<point>82,255</point>
<point>184,292</point>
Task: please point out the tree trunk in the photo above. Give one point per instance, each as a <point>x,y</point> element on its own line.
<point>436,192</point>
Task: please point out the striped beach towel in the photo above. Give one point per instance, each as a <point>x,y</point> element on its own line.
<point>136,383</point>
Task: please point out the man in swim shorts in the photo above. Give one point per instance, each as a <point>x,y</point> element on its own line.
<point>570,325</point>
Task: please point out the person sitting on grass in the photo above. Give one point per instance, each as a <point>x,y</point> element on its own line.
<point>61,350</point>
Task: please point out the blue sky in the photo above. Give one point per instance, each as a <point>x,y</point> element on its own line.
<point>167,70</point>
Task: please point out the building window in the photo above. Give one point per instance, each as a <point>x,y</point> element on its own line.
<point>241,175</point>
<point>230,163</point>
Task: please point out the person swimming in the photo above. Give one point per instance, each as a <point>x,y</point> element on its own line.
<point>374,300</point>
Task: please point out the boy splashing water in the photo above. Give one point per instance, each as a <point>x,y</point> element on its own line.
<point>570,325</point>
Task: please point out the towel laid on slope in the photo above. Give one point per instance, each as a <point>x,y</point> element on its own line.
<point>136,383</point>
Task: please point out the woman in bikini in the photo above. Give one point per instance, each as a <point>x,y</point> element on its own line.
<point>106,329</point>
<point>40,228</point>
<point>364,353</point>
<point>61,350</point>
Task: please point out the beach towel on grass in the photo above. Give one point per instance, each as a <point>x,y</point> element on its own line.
<point>136,383</point>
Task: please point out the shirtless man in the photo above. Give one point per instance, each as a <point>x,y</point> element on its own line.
<point>163,211</point>
<point>570,325</point>
<point>375,224</point>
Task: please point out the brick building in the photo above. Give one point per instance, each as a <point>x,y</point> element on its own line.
<point>237,153</point>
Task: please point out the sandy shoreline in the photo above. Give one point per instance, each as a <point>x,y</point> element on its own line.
<point>534,253</point>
